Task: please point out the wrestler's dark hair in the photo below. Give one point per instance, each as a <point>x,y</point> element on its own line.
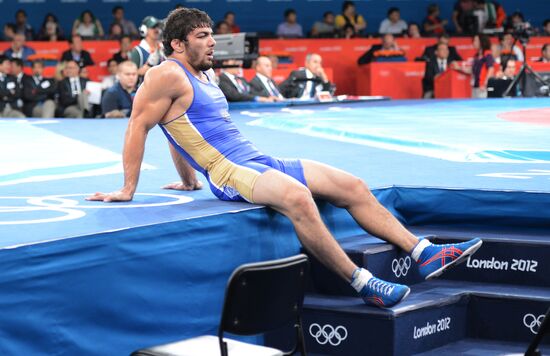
<point>180,23</point>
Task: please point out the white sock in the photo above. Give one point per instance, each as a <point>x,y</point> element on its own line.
<point>419,248</point>
<point>360,278</point>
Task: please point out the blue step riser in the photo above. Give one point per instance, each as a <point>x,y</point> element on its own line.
<point>506,263</point>
<point>505,319</point>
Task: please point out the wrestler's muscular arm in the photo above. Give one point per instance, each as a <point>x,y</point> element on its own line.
<point>152,101</point>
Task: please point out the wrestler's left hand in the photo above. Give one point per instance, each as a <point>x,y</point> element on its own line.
<point>110,197</point>
<point>196,185</point>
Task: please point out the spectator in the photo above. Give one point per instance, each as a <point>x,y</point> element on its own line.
<point>9,32</point>
<point>349,32</point>
<point>222,28</point>
<point>73,96</point>
<point>148,53</point>
<point>489,14</point>
<point>429,52</point>
<point>509,49</point>
<point>433,25</point>
<point>229,18</point>
<point>18,49</point>
<point>262,84</point>
<point>393,23</point>
<point>463,17</point>
<point>483,66</point>
<point>10,91</point>
<point>21,25</point>
<point>413,31</point>
<point>438,65</point>
<point>77,53</point>
<point>50,30</point>
<point>306,83</point>
<point>39,93</point>
<point>290,28</point>
<point>128,27</point>
<point>17,72</point>
<point>125,48</point>
<point>88,26</point>
<point>545,53</point>
<point>350,17</point>
<point>115,32</point>
<point>110,80</point>
<point>234,86</point>
<point>325,28</point>
<point>117,100</point>
<point>516,21</point>
<point>546,28</point>
<point>388,46</point>
<point>509,71</point>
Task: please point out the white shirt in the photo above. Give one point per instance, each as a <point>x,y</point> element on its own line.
<point>266,82</point>
<point>386,26</point>
<point>235,83</point>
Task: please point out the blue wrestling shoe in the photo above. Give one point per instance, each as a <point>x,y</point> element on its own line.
<point>383,294</point>
<point>435,259</point>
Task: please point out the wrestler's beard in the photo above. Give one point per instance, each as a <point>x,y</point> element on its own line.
<point>194,60</point>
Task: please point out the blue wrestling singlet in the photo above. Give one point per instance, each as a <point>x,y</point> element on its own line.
<point>207,138</point>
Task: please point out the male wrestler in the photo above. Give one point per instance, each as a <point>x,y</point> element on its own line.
<point>180,95</point>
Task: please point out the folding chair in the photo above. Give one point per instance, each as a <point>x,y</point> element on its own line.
<point>259,297</point>
<point>533,350</point>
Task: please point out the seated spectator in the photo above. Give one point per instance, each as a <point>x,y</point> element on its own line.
<point>306,83</point>
<point>50,30</point>
<point>413,31</point>
<point>325,28</point>
<point>508,71</point>
<point>262,84</point>
<point>546,28</point>
<point>433,25</point>
<point>349,32</point>
<point>9,32</point>
<point>229,18</point>
<point>489,14</point>
<point>545,53</point>
<point>110,80</point>
<point>234,86</point>
<point>222,28</point>
<point>18,49</point>
<point>17,72</point>
<point>483,66</point>
<point>509,49</point>
<point>388,48</point>
<point>128,27</point>
<point>115,32</point>
<point>22,26</point>
<point>350,17</point>
<point>436,66</point>
<point>429,51</point>
<point>10,91</point>
<point>148,53</point>
<point>73,96</point>
<point>117,100</point>
<point>125,48</point>
<point>88,26</point>
<point>464,20</point>
<point>290,28</point>
<point>393,23</point>
<point>77,53</point>
<point>516,21</point>
<point>39,93</point>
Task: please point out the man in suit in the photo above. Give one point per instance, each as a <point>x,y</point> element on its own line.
<point>10,90</point>
<point>73,96</point>
<point>429,52</point>
<point>39,93</point>
<point>388,44</point>
<point>434,67</point>
<point>77,53</point>
<point>307,82</point>
<point>18,49</point>
<point>17,72</point>
<point>262,84</point>
<point>234,86</point>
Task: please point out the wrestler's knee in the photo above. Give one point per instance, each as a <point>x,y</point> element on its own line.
<point>299,202</point>
<point>356,190</point>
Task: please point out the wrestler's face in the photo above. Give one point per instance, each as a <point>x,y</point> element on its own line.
<point>200,48</point>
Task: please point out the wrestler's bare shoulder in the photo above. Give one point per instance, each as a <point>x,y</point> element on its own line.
<point>168,76</point>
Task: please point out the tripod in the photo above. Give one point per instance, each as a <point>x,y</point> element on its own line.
<point>524,71</point>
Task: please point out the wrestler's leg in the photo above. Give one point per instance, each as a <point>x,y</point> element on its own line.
<point>347,191</point>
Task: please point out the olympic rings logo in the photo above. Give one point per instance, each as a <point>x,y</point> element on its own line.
<point>328,334</point>
<point>63,208</point>
<point>532,322</point>
<point>401,266</point>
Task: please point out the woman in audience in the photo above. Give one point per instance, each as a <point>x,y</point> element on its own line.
<point>413,31</point>
<point>88,27</point>
<point>483,67</point>
<point>350,17</point>
<point>115,32</point>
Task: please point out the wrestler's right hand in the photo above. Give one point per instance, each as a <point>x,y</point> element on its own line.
<point>110,197</point>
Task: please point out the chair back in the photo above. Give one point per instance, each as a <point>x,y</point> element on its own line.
<point>264,296</point>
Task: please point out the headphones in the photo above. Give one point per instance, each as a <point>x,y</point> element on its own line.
<point>143,28</point>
